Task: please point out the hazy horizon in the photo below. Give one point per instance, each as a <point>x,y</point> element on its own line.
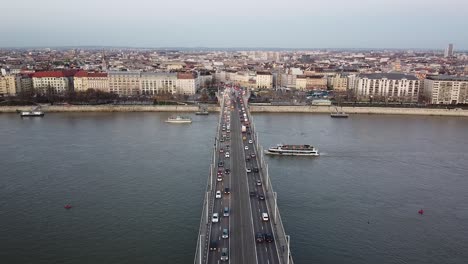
<point>296,24</point>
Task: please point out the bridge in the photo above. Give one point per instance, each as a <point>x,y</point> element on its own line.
<point>240,220</point>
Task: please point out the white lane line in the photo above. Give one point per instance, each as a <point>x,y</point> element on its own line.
<point>266,249</point>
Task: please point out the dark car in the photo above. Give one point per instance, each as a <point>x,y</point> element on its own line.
<point>269,237</point>
<point>220,164</point>
<point>253,193</point>
<point>213,245</point>
<point>247,159</point>
<point>259,237</point>
<point>227,171</point>
<point>261,197</point>
<point>227,190</point>
<point>255,169</point>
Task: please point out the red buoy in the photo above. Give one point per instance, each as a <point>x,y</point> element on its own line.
<point>421,212</point>
<point>67,206</point>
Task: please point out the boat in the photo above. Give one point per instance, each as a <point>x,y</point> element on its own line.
<point>338,114</point>
<point>293,150</point>
<point>179,120</point>
<point>202,111</point>
<point>35,112</point>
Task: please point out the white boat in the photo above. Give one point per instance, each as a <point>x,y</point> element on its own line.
<point>36,111</point>
<point>293,150</point>
<point>179,120</point>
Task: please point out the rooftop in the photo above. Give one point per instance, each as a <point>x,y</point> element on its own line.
<point>389,76</point>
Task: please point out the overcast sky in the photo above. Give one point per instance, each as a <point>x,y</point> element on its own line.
<point>239,23</point>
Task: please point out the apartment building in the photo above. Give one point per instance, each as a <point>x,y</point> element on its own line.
<point>7,85</point>
<point>393,86</point>
<point>187,83</point>
<point>156,83</point>
<point>24,83</point>
<point>316,82</point>
<point>264,80</point>
<point>55,82</point>
<point>445,89</point>
<point>301,82</point>
<point>84,80</point>
<point>126,83</point>
<point>338,82</point>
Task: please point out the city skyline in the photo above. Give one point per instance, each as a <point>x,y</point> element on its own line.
<point>211,24</point>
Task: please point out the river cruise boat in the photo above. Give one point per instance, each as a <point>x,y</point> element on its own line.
<point>179,120</point>
<point>35,112</point>
<point>293,150</point>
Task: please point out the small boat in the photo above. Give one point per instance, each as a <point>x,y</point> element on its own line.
<point>293,150</point>
<point>202,111</point>
<point>35,112</point>
<point>421,212</point>
<point>338,114</point>
<point>67,206</point>
<point>179,120</point>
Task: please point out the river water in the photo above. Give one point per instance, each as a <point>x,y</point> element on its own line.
<point>136,185</point>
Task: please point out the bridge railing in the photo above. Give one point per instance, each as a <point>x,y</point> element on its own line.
<point>282,240</point>
<point>201,252</point>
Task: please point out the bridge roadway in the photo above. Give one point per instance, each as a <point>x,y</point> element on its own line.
<point>245,206</point>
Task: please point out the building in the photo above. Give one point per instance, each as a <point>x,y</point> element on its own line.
<point>264,80</point>
<point>449,51</point>
<point>301,82</point>
<point>24,83</point>
<point>125,83</point>
<point>187,83</point>
<point>158,83</point>
<point>55,82</point>
<point>316,82</point>
<point>445,89</point>
<point>338,82</point>
<point>7,85</point>
<point>388,86</point>
<point>84,80</point>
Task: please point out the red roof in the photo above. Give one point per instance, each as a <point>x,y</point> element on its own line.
<point>81,74</point>
<point>185,75</point>
<point>90,74</point>
<point>45,74</point>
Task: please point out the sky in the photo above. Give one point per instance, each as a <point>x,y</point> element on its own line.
<point>424,24</point>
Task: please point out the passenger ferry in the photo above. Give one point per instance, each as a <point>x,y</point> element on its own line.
<point>293,150</point>
<point>35,112</point>
<point>179,120</point>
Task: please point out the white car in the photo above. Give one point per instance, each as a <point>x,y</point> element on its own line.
<point>226,155</point>
<point>248,170</point>
<point>215,218</point>
<point>265,217</point>
<point>218,194</point>
<point>220,178</point>
<point>246,147</point>
<point>250,141</point>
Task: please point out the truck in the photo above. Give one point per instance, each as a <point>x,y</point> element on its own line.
<point>244,129</point>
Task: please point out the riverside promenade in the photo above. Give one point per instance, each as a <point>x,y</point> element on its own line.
<point>253,109</point>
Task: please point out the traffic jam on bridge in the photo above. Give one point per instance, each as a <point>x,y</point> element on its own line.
<point>238,180</point>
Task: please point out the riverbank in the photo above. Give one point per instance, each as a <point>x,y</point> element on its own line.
<point>358,110</point>
<point>253,109</point>
<point>111,108</point>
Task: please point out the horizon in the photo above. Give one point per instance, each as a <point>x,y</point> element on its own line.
<point>299,24</point>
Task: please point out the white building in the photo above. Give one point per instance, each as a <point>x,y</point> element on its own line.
<point>50,82</point>
<point>387,85</point>
<point>7,85</point>
<point>125,83</point>
<point>156,83</point>
<point>264,80</point>
<point>444,89</point>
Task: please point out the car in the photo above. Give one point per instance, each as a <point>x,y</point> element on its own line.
<point>220,172</point>
<point>253,155</point>
<point>255,169</point>
<point>221,140</point>
<point>215,218</point>
<point>221,150</point>
<point>224,254</point>
<point>220,164</point>
<point>247,159</point>
<point>246,147</point>
<point>226,211</point>
<point>227,171</point>
<point>220,178</point>
<point>225,233</point>
<point>265,217</point>
<point>250,141</point>
<point>223,129</point>
<point>228,131</point>
<point>259,183</point>
<point>253,193</point>
<point>261,197</point>
<point>259,237</point>
<point>227,190</point>
<point>218,194</point>
<point>226,155</point>
<point>213,245</point>
<point>248,170</point>
<point>269,237</point>
<point>228,138</point>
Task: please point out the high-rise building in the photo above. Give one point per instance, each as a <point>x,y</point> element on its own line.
<point>449,51</point>
<point>445,89</point>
